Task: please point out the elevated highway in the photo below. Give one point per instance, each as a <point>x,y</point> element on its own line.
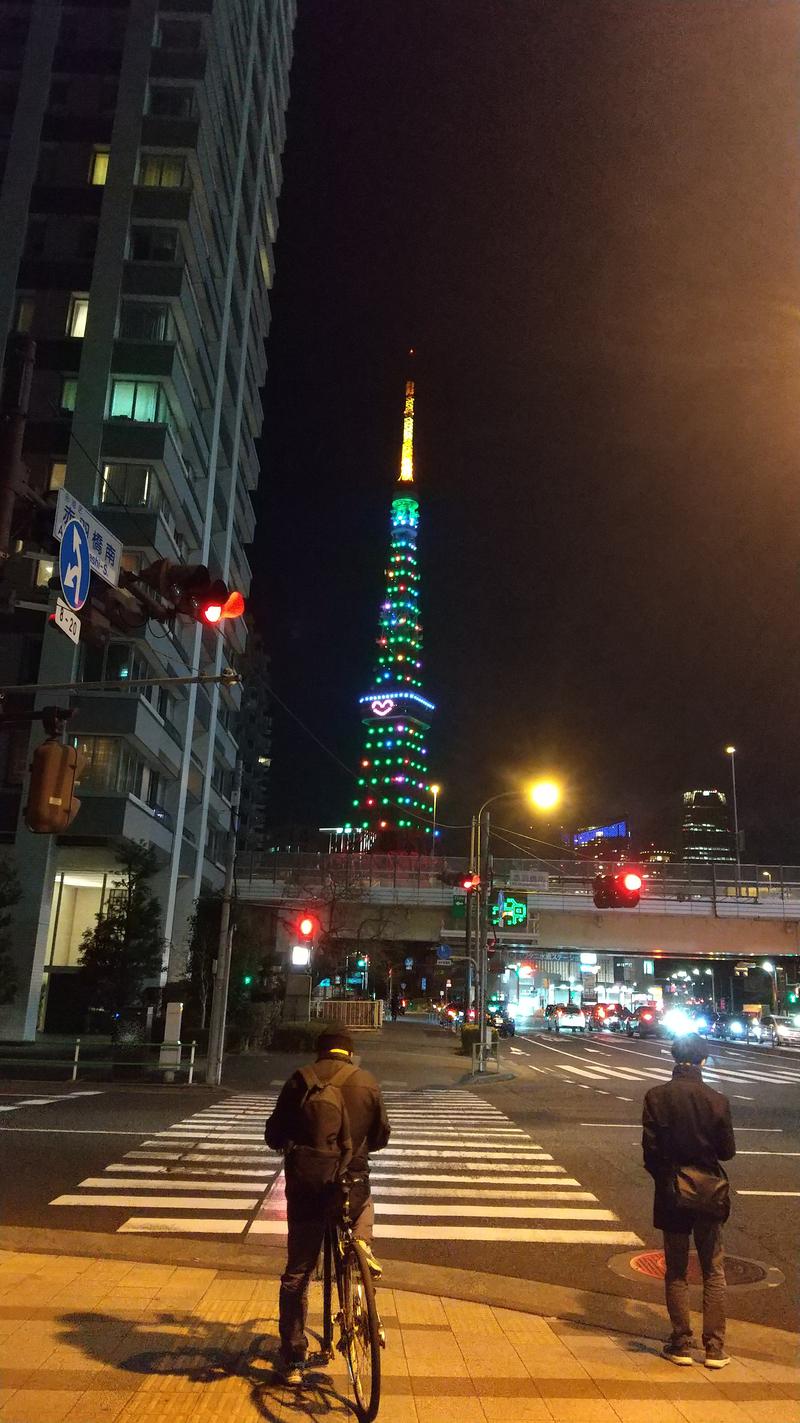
<point>684,910</point>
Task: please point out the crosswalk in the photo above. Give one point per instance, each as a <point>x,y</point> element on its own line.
<point>456,1169</point>
<point>614,1064</point>
<point>22,1099</point>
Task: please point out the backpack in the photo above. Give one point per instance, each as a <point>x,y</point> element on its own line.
<point>326,1148</point>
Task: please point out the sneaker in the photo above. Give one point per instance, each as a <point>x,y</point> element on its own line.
<point>716,1358</point>
<point>375,1267</point>
<point>677,1354</point>
<point>289,1371</point>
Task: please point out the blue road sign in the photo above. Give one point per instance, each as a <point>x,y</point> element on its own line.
<point>73,565</point>
<point>443,953</point>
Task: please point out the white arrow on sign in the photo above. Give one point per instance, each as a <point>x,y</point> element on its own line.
<point>72,577</point>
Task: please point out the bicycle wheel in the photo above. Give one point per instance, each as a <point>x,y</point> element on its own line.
<point>361,1332</point>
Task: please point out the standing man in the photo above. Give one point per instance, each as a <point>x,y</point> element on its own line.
<point>326,1117</point>
<point>686,1133</point>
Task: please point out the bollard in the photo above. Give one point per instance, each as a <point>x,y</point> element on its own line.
<point>192,1051</point>
<point>75,1059</point>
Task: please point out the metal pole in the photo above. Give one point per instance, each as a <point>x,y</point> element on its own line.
<point>483,933</point>
<point>20,359</point>
<point>75,1059</point>
<point>192,1053</point>
<point>735,817</point>
<point>222,972</point>
<point>468,913</point>
<point>433,836</point>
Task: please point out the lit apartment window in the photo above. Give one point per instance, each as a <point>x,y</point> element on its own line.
<point>161,170</point>
<point>26,307</point>
<point>138,400</point>
<point>69,392</point>
<point>78,312</point>
<point>98,169</point>
<point>128,484</point>
<point>58,474</point>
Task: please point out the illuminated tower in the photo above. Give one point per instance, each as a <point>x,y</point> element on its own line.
<point>393,809</point>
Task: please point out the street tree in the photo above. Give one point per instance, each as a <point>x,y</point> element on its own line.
<point>126,945</point>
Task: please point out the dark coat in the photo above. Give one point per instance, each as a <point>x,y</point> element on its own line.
<point>684,1123</point>
<point>369,1124</point>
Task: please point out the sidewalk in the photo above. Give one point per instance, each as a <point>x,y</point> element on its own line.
<point>91,1340</point>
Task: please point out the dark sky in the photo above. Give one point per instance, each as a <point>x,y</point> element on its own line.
<point>584,216</point>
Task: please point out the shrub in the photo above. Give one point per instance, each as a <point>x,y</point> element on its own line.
<point>297,1037</point>
<point>469,1035</point>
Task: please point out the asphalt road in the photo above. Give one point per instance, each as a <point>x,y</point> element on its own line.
<point>537,1175</point>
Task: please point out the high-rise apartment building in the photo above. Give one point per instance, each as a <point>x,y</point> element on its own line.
<point>140,164</point>
<point>705,829</point>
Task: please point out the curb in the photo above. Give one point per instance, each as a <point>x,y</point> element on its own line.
<point>588,1308</point>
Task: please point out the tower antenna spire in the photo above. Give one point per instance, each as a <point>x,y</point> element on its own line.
<point>406,475</point>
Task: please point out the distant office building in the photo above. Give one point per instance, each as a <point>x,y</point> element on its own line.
<point>705,830</point>
<point>140,166</point>
<point>608,842</point>
<point>655,853</point>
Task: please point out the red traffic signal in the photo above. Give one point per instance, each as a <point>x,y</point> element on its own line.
<point>307,926</point>
<point>620,889</point>
<point>469,882</point>
<point>192,592</point>
<point>52,804</point>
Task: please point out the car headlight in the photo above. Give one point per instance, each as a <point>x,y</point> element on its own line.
<point>677,1021</point>
<point>736,1028</point>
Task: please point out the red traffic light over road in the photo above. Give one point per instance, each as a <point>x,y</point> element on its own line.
<point>470,882</point>
<point>192,592</point>
<point>617,889</point>
<point>307,926</point>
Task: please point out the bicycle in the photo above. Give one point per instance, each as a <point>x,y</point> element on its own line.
<point>361,1332</point>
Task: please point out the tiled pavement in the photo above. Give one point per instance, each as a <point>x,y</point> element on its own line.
<point>92,1340</point>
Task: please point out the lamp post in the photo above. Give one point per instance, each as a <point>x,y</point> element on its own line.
<point>773,990</point>
<point>731,751</point>
<point>544,795</point>
<point>710,971</point>
<point>435,793</point>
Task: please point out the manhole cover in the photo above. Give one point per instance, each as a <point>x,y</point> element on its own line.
<point>737,1270</point>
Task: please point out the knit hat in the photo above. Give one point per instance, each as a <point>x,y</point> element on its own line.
<point>334,1042</point>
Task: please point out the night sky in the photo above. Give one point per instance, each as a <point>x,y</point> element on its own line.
<point>584,216</point>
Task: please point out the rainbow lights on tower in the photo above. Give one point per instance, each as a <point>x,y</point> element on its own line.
<point>394,805</point>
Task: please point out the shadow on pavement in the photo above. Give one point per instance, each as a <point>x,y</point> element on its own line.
<point>182,1347</point>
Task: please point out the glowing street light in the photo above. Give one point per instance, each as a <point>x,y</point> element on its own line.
<point>545,794</point>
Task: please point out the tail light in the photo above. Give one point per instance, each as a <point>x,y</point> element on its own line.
<point>648,1017</point>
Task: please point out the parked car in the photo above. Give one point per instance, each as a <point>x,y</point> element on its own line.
<point>572,1019</point>
<point>644,1022</point>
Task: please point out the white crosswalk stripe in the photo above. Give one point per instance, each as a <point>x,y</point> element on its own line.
<point>629,1063</point>
<point>456,1169</point>
<point>217,1174</point>
<point>449,1188</point>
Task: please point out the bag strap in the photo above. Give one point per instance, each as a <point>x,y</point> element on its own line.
<point>345,1071</point>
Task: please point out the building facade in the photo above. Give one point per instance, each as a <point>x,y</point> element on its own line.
<point>140,154</point>
<point>705,829</point>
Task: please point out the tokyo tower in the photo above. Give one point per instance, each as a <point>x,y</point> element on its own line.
<point>393,809</point>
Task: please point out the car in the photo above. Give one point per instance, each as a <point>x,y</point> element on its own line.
<point>678,1021</point>
<point>722,1027</point>
<point>598,1016</point>
<point>787,1030</point>
<point>572,1019</point>
<point>552,1013</point>
<point>502,1020</point>
<point>644,1022</point>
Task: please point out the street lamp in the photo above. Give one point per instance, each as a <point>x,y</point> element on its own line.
<point>731,751</point>
<point>544,794</point>
<point>435,793</point>
<point>773,973</point>
<point>709,972</point>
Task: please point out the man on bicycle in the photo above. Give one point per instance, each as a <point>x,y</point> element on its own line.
<point>308,1194</point>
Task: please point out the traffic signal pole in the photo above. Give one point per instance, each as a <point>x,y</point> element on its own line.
<point>222,971</point>
<point>483,933</point>
<point>468,913</point>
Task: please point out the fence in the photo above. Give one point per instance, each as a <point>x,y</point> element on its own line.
<point>349,1012</point>
<point>116,1062</point>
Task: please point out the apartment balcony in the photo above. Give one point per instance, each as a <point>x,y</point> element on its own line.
<point>166,131</point>
<point>180,63</point>
<point>160,204</point>
<point>108,815</point>
<point>155,279</point>
<point>126,714</point>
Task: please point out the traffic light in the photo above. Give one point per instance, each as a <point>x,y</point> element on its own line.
<point>469,882</point>
<point>52,805</point>
<point>618,889</point>
<point>247,979</point>
<point>307,927</point>
<point>192,592</point>
<point>460,879</point>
